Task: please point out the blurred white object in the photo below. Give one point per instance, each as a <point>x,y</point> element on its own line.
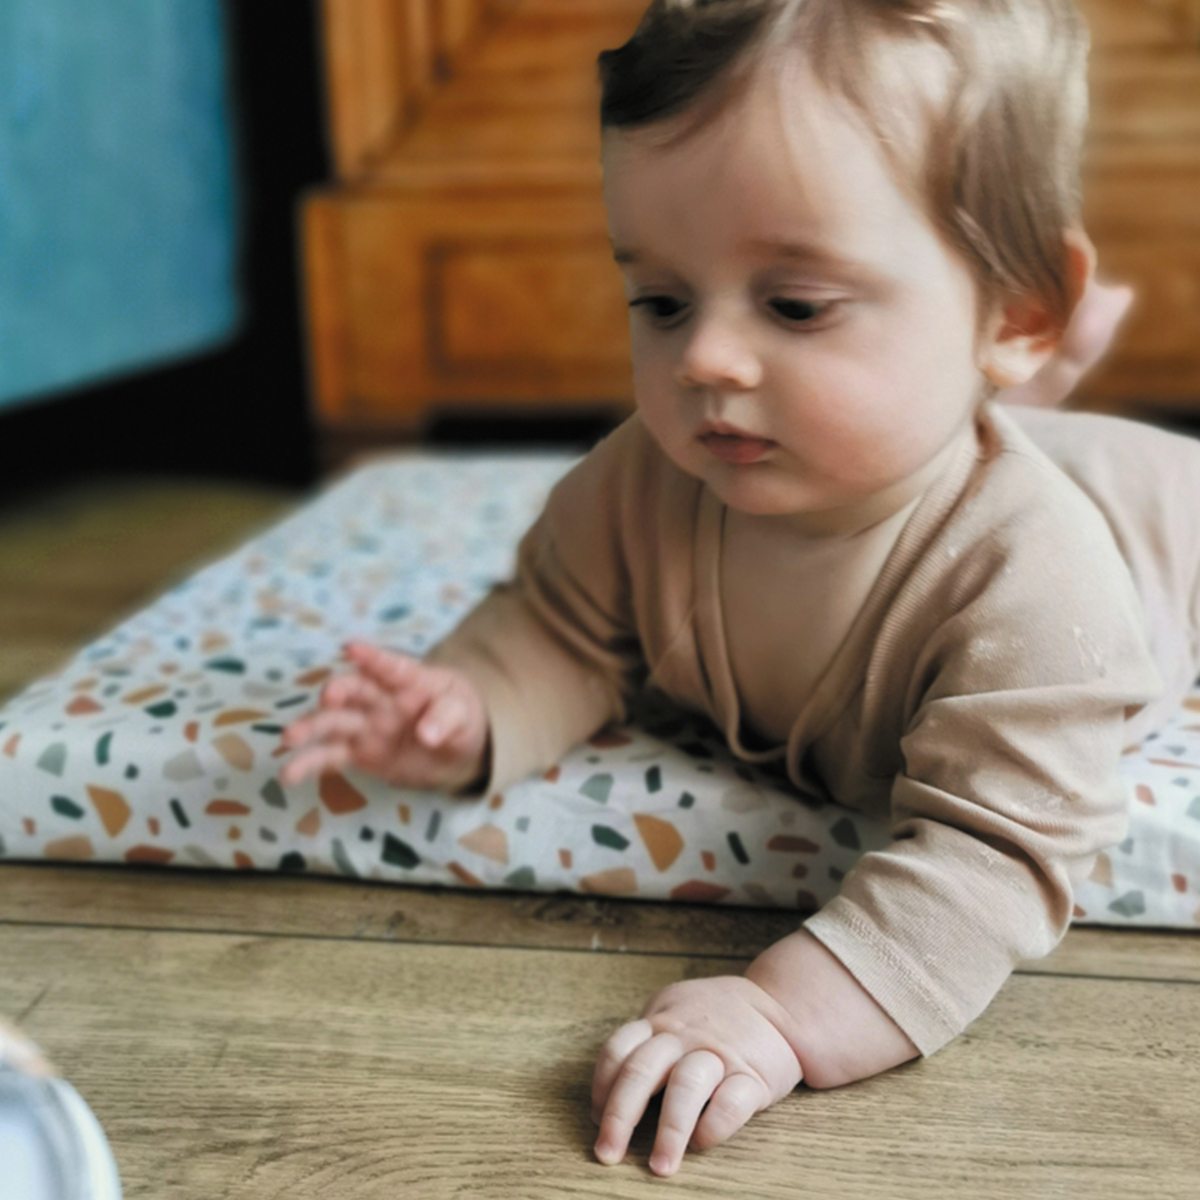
<point>51,1145</point>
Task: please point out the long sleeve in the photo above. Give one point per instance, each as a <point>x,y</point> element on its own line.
<point>554,652</point>
<point>1015,701</point>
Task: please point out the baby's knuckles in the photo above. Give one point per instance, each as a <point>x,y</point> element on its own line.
<point>733,1018</point>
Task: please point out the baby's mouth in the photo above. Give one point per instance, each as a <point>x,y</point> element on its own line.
<point>734,446</point>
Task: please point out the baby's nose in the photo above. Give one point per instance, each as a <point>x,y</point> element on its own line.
<point>716,355</point>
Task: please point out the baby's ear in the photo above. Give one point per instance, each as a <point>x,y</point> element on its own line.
<point>1024,334</point>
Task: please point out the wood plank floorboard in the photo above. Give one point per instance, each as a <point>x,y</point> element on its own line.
<point>276,905</point>
<point>241,1067</point>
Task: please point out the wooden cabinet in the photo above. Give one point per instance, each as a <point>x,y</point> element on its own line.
<point>461,258</point>
<point>1142,196</point>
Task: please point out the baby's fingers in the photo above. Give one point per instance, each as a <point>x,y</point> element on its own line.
<point>733,1104</point>
<point>612,1058</point>
<point>324,741</point>
<point>390,670</point>
<point>315,761</point>
<point>695,1078</point>
<point>642,1075</point>
<point>444,723</point>
<point>352,691</point>
<point>327,723</point>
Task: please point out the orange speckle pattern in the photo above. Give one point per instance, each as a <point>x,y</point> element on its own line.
<point>339,795</point>
<point>488,841</point>
<point>227,808</point>
<point>619,881</point>
<point>70,849</point>
<point>698,891</point>
<point>235,750</point>
<point>309,825</point>
<point>1102,872</point>
<point>464,876</point>
<point>113,808</point>
<point>239,716</point>
<point>155,855</point>
<point>662,840</point>
<point>787,844</point>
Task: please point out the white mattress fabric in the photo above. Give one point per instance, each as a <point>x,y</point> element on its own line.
<point>159,743</point>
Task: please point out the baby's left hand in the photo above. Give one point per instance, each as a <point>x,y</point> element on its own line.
<point>709,1041</point>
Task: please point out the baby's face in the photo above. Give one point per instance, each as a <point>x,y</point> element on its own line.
<point>803,340</point>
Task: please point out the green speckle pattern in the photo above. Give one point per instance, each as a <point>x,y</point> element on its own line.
<point>67,808</point>
<point>605,835</point>
<point>398,853</point>
<point>598,788</point>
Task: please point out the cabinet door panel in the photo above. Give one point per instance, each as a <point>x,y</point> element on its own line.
<point>465,301</point>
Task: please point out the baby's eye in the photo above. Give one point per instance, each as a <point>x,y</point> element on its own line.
<point>662,310</point>
<point>800,312</point>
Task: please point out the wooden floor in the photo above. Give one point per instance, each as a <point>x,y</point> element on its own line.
<point>252,1037</point>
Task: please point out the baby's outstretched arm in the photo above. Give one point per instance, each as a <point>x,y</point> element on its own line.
<point>723,1049</point>
<point>396,718</point>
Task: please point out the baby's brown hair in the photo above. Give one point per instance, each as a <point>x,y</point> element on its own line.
<point>980,106</point>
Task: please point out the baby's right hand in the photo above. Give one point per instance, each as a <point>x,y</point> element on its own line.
<point>396,718</point>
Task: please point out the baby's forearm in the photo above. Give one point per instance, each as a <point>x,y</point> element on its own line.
<point>836,1029</point>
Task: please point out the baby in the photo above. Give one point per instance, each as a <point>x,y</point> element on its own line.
<point>843,225</point>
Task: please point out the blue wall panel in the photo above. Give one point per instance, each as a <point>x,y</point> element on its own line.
<point>117,206</point>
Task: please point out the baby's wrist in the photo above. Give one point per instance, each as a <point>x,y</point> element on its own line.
<point>837,1031</point>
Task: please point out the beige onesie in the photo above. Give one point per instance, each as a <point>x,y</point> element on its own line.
<point>978,701</point>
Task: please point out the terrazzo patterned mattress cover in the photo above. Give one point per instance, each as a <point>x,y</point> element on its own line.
<point>159,743</point>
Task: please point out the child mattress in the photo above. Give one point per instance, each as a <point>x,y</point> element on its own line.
<point>159,743</point>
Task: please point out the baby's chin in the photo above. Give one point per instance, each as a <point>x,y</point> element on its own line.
<point>766,490</point>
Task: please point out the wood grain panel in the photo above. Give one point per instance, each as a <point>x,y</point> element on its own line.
<point>369,88</point>
<point>383,59</point>
<point>329,335</point>
<point>410,340</point>
<point>1127,24</point>
<point>255,1067</point>
<point>526,306</point>
<point>267,904</point>
<point>1158,354</point>
<point>1152,96</point>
